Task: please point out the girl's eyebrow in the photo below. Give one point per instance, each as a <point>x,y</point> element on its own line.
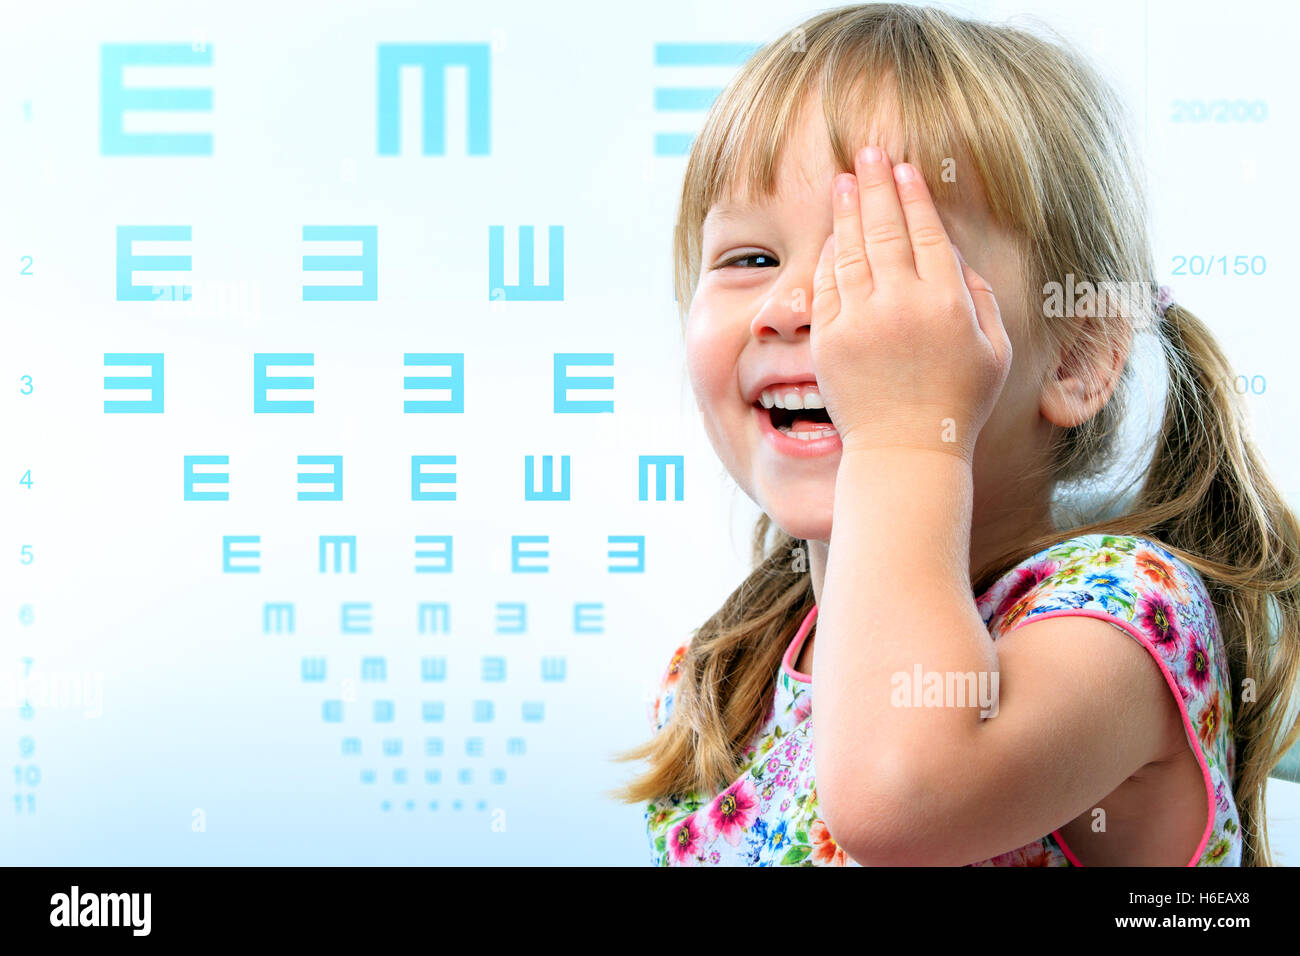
<point>724,214</point>
<point>732,212</point>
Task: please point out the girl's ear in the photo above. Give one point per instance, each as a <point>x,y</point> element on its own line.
<point>1087,371</point>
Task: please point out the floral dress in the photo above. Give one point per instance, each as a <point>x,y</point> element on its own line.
<point>769,815</point>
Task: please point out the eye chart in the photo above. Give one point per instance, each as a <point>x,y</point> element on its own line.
<point>354,493</point>
<point>358,496</point>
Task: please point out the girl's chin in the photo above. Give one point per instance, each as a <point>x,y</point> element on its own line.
<point>808,523</point>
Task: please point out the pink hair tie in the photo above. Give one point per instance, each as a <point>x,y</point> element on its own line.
<point>1164,299</point>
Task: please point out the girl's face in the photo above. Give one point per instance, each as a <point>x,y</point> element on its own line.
<point>749,325</point>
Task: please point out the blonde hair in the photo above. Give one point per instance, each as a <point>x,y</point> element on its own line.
<point>1048,142</point>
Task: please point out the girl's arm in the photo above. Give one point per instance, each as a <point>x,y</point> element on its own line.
<point>1080,704</point>
<point>911,356</point>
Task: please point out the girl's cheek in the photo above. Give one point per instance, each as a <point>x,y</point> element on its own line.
<point>705,362</point>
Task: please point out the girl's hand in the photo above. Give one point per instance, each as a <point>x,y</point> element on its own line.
<point>907,339</point>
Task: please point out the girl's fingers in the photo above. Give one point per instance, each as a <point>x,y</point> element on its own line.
<point>852,270</point>
<point>987,312</point>
<point>826,295</point>
<point>889,249</point>
<point>932,252</point>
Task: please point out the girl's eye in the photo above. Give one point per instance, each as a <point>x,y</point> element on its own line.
<point>766,260</point>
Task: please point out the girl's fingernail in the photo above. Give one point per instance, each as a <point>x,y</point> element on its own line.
<point>871,155</point>
<point>844,183</point>
<point>904,172</point>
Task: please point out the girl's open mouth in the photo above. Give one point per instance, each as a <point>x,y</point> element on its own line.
<point>801,432</point>
<point>800,422</point>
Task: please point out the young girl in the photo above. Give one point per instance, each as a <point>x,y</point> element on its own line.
<point>881,210</point>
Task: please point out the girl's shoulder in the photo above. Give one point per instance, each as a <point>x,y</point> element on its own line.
<point>1116,575</point>
<point>1161,601</point>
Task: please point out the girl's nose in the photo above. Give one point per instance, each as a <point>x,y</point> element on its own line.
<point>787,311</point>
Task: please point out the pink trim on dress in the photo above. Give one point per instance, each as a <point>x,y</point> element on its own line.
<point>1182,708</point>
<point>792,652</point>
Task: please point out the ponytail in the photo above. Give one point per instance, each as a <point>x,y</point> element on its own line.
<point>1208,497</point>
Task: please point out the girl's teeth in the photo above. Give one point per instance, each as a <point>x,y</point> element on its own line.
<point>807,434</point>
